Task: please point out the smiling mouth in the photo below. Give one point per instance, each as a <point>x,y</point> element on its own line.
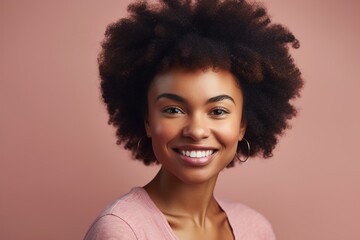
<point>196,153</point>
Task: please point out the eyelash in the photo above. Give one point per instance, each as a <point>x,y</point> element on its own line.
<point>223,111</point>
<point>169,110</point>
<point>214,112</point>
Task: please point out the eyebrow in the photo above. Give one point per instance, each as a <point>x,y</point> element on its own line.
<point>220,98</point>
<point>180,99</point>
<point>171,96</point>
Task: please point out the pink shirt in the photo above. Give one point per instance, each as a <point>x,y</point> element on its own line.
<point>135,216</point>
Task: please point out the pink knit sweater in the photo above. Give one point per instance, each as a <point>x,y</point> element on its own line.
<point>135,216</point>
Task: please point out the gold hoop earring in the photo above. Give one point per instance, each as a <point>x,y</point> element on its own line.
<point>138,143</point>
<point>248,146</point>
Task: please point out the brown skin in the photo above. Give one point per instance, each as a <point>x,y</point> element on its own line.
<point>195,119</point>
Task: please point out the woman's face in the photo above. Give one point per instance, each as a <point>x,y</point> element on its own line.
<point>194,121</point>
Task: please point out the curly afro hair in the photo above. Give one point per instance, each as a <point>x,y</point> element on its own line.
<point>231,35</point>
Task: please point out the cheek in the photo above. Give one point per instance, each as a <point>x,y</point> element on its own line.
<point>162,135</point>
<point>162,131</point>
<point>228,133</point>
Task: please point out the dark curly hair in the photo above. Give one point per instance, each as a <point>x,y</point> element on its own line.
<point>231,35</point>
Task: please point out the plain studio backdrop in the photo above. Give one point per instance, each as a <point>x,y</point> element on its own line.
<point>59,164</point>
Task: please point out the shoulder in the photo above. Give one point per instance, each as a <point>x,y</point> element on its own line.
<point>110,227</point>
<point>246,222</point>
<point>116,220</point>
<point>127,207</point>
<point>133,216</point>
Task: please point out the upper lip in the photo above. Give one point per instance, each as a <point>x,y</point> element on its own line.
<point>194,147</point>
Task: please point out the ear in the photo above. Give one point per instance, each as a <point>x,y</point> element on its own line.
<point>147,126</point>
<point>242,128</point>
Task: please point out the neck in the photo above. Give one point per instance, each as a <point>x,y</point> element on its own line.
<point>179,199</point>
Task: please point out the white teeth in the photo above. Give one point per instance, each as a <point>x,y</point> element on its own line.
<point>197,154</point>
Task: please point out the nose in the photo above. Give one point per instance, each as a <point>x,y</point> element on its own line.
<point>196,128</point>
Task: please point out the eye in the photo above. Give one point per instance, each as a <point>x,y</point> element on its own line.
<point>172,110</point>
<point>219,112</point>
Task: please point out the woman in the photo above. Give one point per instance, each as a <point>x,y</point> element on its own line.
<point>194,86</point>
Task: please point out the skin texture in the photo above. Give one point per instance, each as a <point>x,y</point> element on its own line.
<point>185,112</point>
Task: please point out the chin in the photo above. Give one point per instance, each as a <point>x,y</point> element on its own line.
<point>196,176</point>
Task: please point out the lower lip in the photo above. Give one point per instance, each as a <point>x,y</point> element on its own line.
<point>197,162</point>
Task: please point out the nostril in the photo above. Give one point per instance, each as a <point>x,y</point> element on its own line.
<point>196,132</point>
<point>197,127</point>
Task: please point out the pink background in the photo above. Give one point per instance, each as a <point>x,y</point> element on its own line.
<point>59,164</point>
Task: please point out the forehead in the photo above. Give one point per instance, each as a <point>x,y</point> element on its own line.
<point>207,82</point>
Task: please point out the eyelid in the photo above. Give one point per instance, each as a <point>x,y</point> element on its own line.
<point>221,108</point>
<point>164,109</point>
<point>225,111</point>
